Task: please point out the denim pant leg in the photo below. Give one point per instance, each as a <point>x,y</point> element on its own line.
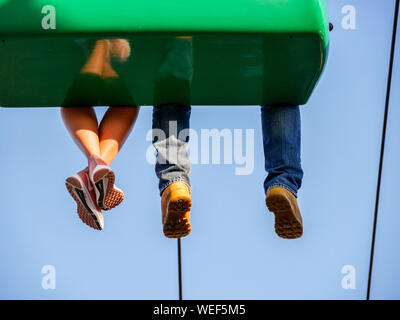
<point>170,139</point>
<point>281,128</point>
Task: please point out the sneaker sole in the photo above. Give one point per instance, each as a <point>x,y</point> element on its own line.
<point>286,224</point>
<point>113,198</point>
<point>108,196</point>
<point>85,212</point>
<point>176,224</point>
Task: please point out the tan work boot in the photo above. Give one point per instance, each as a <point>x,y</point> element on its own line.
<point>175,209</point>
<point>288,222</point>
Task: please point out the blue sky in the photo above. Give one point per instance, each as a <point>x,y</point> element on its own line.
<point>233,251</point>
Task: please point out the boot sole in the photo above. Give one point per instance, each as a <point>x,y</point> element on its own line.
<point>287,225</point>
<point>176,224</point>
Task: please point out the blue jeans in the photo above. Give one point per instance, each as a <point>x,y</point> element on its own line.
<point>281,128</point>
<point>170,139</point>
<point>281,139</point>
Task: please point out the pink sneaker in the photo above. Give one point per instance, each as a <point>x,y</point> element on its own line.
<point>82,191</point>
<point>102,177</point>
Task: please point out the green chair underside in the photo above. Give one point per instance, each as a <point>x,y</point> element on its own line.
<point>273,54</point>
<point>208,70</point>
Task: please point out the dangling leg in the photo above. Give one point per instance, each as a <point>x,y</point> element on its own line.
<point>115,127</point>
<point>281,136</point>
<point>170,139</point>
<point>81,122</point>
<point>82,125</point>
<point>171,116</point>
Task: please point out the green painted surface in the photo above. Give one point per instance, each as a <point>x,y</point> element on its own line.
<point>242,52</point>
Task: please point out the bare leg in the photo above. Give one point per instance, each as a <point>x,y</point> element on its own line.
<point>82,125</point>
<point>115,127</point>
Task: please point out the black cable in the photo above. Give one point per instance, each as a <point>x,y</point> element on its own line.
<point>378,188</point>
<point>179,269</point>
